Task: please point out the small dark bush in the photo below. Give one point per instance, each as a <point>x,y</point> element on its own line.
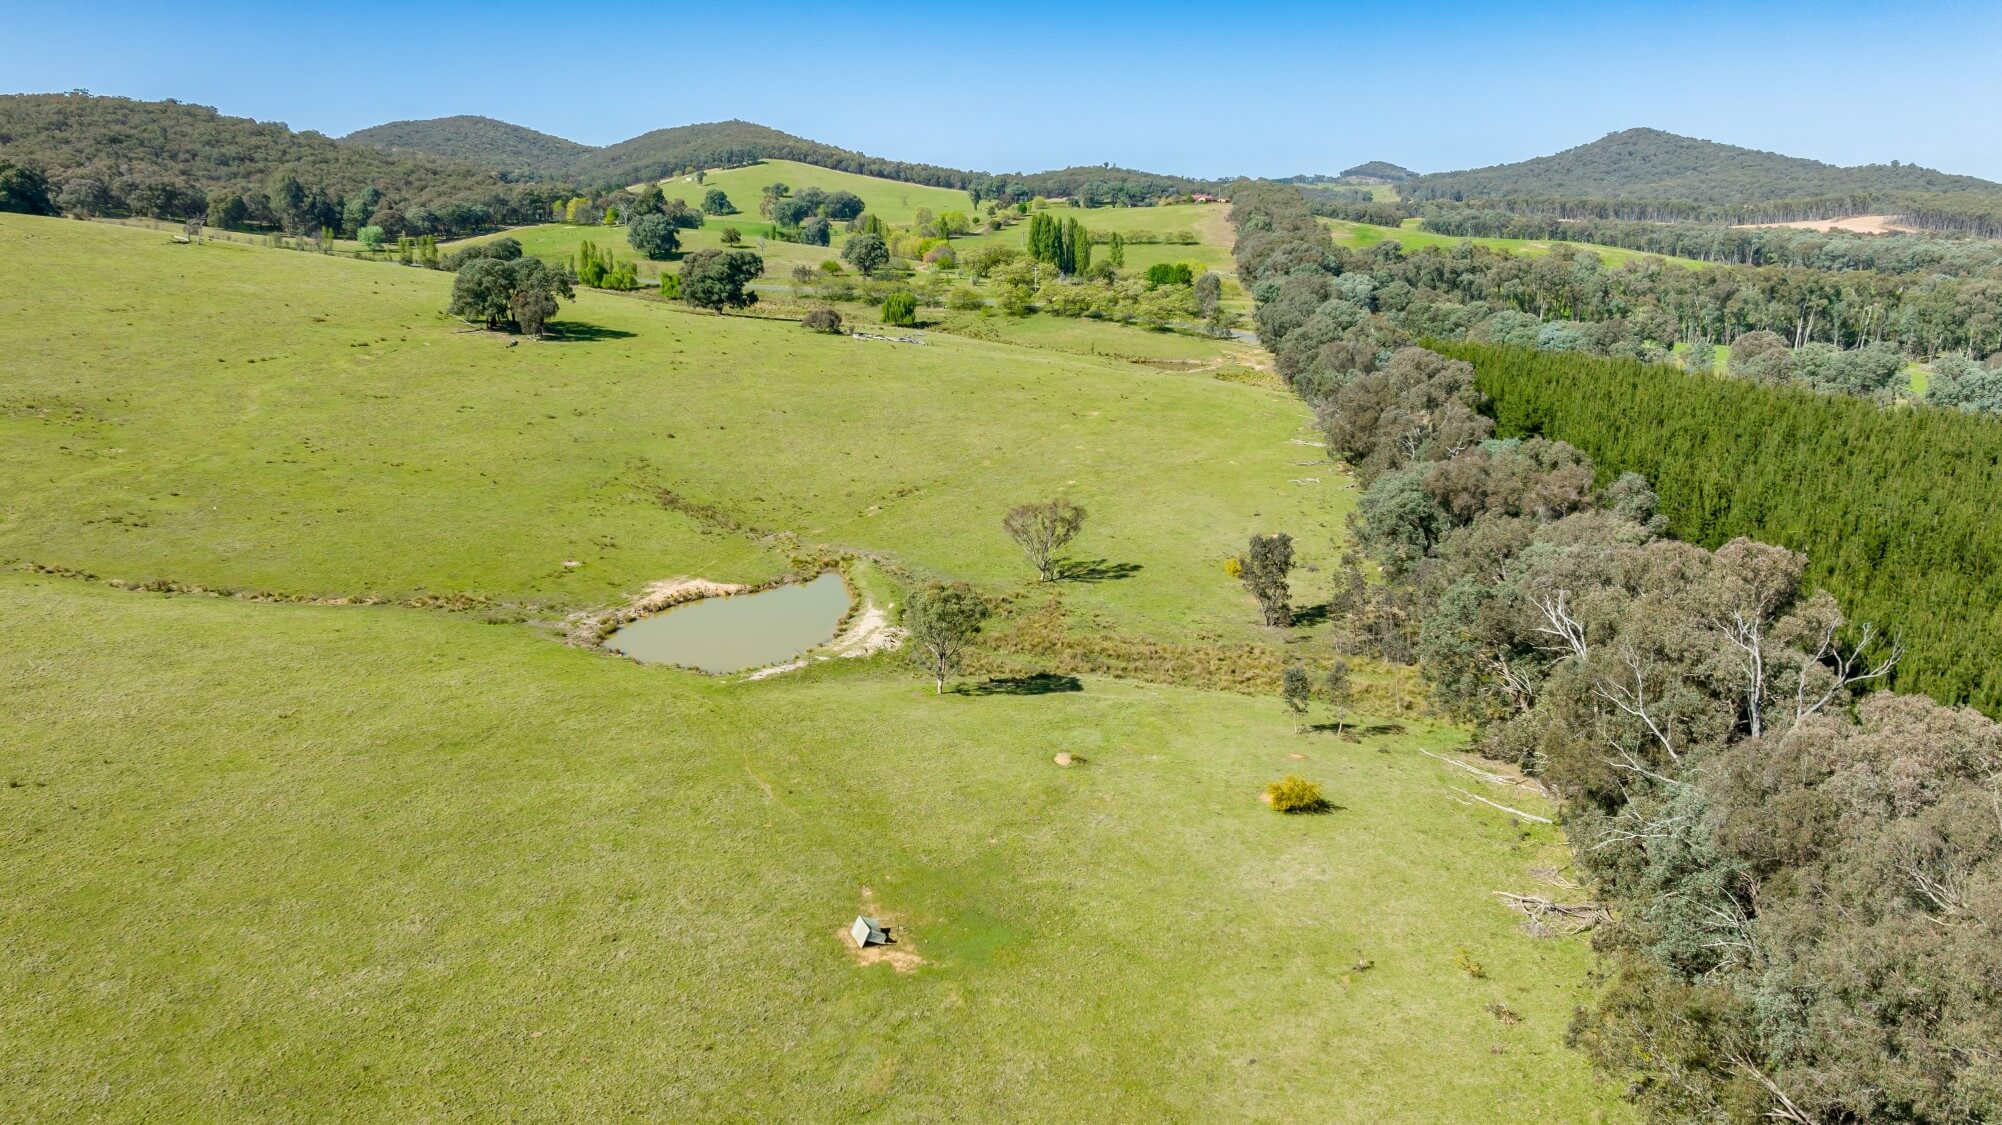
<point>822,318</point>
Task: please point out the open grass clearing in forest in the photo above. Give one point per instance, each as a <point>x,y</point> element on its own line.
<point>1412,236</point>
<point>893,201</point>
<point>1853,224</point>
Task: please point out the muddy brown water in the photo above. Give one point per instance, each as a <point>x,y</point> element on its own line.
<point>735,633</point>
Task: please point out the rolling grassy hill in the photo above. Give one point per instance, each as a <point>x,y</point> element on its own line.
<point>894,201</point>
<point>1648,164</point>
<point>359,862</point>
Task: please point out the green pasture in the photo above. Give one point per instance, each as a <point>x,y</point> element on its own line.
<point>559,242</point>
<point>380,863</point>
<point>1412,236</point>
<point>893,201</point>
<point>317,426</point>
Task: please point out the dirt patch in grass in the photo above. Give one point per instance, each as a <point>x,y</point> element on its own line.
<point>898,954</point>
<point>592,626</point>
<point>1854,224</point>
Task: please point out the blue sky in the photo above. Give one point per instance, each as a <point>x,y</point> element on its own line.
<point>1206,89</point>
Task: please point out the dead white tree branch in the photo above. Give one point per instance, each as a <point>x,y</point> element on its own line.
<point>1561,624</point>
<point>1502,807</point>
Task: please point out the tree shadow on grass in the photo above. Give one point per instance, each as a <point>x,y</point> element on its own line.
<point>1095,570</point>
<point>1311,614</point>
<point>1041,683</point>
<point>577,332</point>
<point>1358,731</point>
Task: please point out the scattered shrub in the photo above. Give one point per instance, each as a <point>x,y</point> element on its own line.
<point>901,310</point>
<point>823,318</point>
<point>964,298</point>
<point>1464,961</point>
<point>731,236</point>
<point>1295,794</point>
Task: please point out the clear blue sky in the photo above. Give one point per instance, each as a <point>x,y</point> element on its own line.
<point>1207,89</point>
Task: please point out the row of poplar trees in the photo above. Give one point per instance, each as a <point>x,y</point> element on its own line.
<point>1063,243</point>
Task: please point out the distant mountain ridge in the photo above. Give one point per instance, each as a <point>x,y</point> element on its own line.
<point>513,149</point>
<point>665,152</point>
<point>1646,164</point>
<point>1382,170</point>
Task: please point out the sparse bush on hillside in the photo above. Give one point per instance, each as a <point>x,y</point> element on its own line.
<point>942,621</point>
<point>716,202</point>
<point>1041,530</point>
<point>731,236</point>
<point>1263,569</point>
<point>823,318</point>
<point>965,298</point>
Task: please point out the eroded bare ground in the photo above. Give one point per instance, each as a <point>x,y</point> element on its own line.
<point>899,954</point>
<point>591,626</point>
<point>1854,224</point>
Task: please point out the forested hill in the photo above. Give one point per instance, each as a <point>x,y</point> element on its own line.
<point>722,144</point>
<point>1648,164</point>
<point>1380,170</point>
<point>512,149</point>
<point>169,159</point>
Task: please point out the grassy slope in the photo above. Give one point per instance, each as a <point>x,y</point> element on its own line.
<point>228,430</point>
<point>1413,237</point>
<point>559,242</point>
<point>896,202</point>
<point>381,864</point>
<point>384,864</point>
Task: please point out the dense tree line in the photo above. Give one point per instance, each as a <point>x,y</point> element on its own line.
<point>1958,255</point>
<point>1896,507</point>
<point>24,190</point>
<point>1803,887</point>
<point>1335,205</point>
<point>1972,213</point>
<point>167,160</point>
<point>1570,300</point>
